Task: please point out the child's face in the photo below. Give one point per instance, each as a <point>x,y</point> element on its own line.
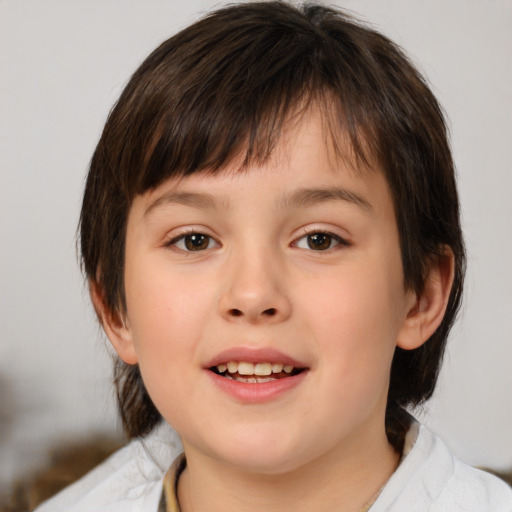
<point>296,262</point>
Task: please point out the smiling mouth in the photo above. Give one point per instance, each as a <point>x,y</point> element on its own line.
<point>255,373</point>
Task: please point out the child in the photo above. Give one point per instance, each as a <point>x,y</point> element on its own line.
<point>270,230</point>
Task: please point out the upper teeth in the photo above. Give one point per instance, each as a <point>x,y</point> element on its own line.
<point>261,369</point>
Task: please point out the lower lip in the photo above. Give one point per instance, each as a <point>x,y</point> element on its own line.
<point>250,392</point>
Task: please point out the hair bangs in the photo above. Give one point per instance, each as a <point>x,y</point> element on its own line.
<point>233,100</point>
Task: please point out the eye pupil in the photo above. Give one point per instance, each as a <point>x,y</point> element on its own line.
<point>319,241</point>
<point>197,242</point>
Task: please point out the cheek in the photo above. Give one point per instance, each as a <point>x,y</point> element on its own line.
<point>357,301</point>
<point>166,310</point>
<point>355,335</point>
<point>167,316</point>
<point>354,317</point>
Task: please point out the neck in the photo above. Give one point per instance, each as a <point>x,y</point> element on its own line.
<point>343,480</point>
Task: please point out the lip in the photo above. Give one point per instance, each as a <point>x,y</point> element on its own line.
<point>254,355</point>
<point>252,393</point>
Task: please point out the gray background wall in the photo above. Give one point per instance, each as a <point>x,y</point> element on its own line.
<point>62,65</point>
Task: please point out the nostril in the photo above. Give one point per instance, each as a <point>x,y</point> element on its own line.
<point>270,312</point>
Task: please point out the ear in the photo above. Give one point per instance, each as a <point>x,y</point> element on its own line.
<point>115,326</point>
<point>425,312</point>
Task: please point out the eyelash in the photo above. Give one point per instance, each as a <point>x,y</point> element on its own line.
<point>339,241</point>
<point>183,236</point>
<point>331,238</point>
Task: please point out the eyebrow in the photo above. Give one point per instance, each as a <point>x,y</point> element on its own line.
<point>203,201</point>
<point>313,196</point>
<point>303,197</point>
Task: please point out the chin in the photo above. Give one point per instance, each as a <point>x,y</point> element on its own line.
<point>266,455</point>
<point>263,464</point>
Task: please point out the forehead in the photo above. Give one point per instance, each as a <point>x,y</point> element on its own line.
<point>306,167</point>
<point>219,144</point>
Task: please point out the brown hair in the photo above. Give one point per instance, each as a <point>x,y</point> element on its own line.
<point>224,87</point>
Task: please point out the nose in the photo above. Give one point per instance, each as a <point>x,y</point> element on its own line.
<point>255,290</point>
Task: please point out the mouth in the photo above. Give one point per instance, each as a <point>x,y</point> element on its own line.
<point>255,373</point>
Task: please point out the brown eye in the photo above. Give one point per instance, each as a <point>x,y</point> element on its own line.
<point>319,241</point>
<point>196,242</point>
<point>193,242</point>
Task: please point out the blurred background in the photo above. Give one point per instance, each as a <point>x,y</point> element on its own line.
<point>63,64</point>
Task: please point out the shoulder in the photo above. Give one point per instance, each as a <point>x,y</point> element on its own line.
<point>432,479</point>
<point>129,480</point>
<point>472,490</point>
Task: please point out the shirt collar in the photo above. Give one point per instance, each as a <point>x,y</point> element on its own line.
<point>169,500</point>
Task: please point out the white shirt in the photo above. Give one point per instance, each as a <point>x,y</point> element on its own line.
<point>429,479</point>
<point>130,480</point>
